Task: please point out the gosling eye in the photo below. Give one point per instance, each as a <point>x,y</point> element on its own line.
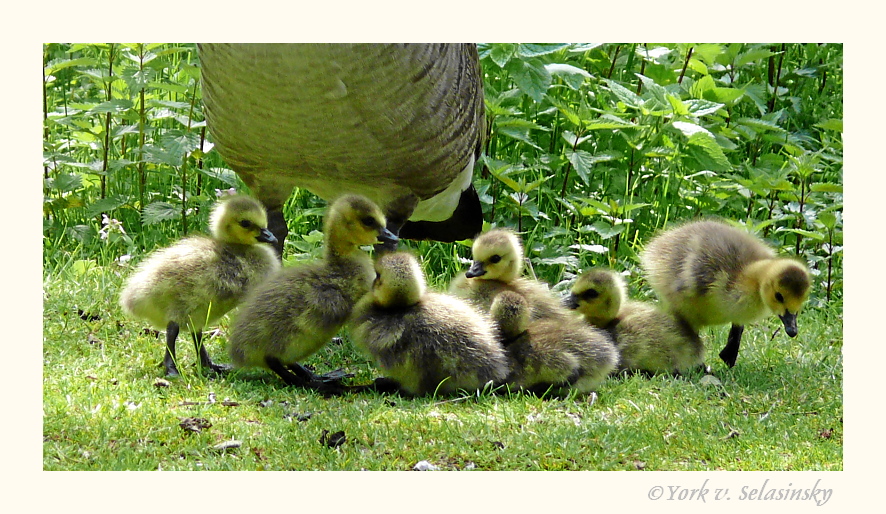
<point>369,221</point>
<point>779,297</point>
<point>590,294</point>
<point>495,259</point>
<point>245,223</point>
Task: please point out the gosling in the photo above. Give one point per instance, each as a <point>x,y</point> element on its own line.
<point>197,280</point>
<point>560,350</point>
<point>299,309</point>
<point>427,342</point>
<point>648,339</point>
<point>710,273</point>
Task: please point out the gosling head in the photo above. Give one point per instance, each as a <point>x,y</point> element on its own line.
<point>785,288</point>
<point>240,219</point>
<point>597,295</point>
<point>399,281</point>
<point>498,255</point>
<point>511,312</point>
<point>354,220</point>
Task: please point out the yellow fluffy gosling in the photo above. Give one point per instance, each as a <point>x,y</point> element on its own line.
<point>711,273</point>
<point>648,339</point>
<point>296,312</point>
<point>426,341</point>
<point>558,349</point>
<point>198,279</point>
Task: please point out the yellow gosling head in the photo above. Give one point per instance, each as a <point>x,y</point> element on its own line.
<point>354,220</point>
<point>399,280</point>
<point>498,255</point>
<point>785,288</point>
<point>598,294</point>
<point>240,219</point>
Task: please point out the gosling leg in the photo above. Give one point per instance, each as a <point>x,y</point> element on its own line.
<point>169,359</point>
<point>729,354</point>
<point>205,361</point>
<point>299,376</point>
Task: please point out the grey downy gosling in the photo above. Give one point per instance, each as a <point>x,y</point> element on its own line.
<point>557,335</point>
<point>298,310</point>
<point>197,280</point>
<point>427,342</point>
<point>551,354</point>
<point>711,273</point>
<point>649,340</point>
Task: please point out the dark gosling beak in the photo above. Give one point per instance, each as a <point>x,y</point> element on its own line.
<point>388,239</point>
<point>476,270</point>
<point>570,302</point>
<point>265,236</point>
<point>790,323</point>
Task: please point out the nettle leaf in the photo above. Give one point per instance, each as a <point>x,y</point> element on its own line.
<point>584,161</point>
<point>178,142</point>
<point>624,94</point>
<point>222,174</point>
<point>726,95</point>
<point>158,155</point>
<point>608,121</point>
<point>105,205</point>
<point>752,56</point>
<point>758,124</point>
<point>826,188</point>
<point>831,124</point>
<point>607,230</point>
<point>704,149</point>
<point>700,107</point>
<point>690,129</point>
<point>502,53</point>
<point>531,77</point>
<point>702,85</point>
<point>116,105</point>
<point>535,49</point>
<point>60,64</point>
<point>573,76</point>
<point>65,182</point>
<point>159,211</point>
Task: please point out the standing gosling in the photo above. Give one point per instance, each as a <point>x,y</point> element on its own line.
<point>711,273</point>
<point>559,349</point>
<point>296,312</point>
<point>427,342</point>
<point>648,339</point>
<point>198,279</point>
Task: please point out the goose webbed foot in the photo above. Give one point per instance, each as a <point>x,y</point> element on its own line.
<point>206,362</point>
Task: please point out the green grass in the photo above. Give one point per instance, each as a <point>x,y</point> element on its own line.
<point>780,408</point>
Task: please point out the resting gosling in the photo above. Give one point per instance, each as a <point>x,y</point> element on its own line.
<point>426,341</point>
<point>197,280</point>
<point>648,339</point>
<point>298,310</point>
<point>550,353</point>
<point>711,273</point>
<point>561,349</point>
<point>497,266</point>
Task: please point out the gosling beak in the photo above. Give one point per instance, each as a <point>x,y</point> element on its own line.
<point>476,270</point>
<point>388,238</point>
<point>790,323</point>
<point>265,236</point>
<point>570,302</point>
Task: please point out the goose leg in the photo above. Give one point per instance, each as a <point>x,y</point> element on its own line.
<point>205,361</point>
<point>277,226</point>
<point>297,375</point>
<point>169,359</point>
<point>729,353</point>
